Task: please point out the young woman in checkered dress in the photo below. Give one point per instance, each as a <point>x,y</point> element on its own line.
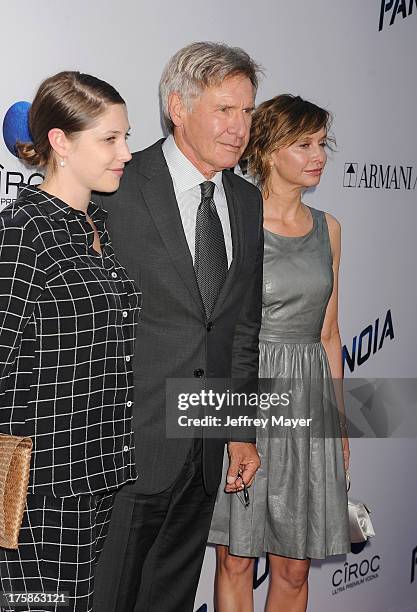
<point>68,314</point>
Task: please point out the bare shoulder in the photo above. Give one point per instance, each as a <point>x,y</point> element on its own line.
<point>334,233</point>
<point>333,224</point>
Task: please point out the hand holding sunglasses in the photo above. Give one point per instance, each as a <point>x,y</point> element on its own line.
<point>243,495</point>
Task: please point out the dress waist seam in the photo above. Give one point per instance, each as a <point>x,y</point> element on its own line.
<point>289,338</point>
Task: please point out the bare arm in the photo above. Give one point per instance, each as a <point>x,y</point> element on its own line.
<point>330,335</point>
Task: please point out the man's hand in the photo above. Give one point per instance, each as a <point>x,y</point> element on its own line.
<point>243,464</point>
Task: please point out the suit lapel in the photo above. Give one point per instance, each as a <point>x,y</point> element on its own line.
<point>159,196</point>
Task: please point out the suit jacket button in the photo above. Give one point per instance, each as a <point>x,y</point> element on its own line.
<point>209,326</point>
<point>198,373</point>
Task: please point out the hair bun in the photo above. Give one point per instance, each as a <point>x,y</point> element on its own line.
<point>29,155</point>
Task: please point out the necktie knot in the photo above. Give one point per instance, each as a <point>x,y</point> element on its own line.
<point>207,190</point>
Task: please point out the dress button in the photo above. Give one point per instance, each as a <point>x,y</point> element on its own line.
<point>209,326</point>
<point>125,448</point>
<point>198,373</point>
<point>129,403</point>
<point>124,314</point>
<point>128,358</point>
<point>114,274</point>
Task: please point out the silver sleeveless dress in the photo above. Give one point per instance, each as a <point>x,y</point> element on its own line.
<point>298,502</point>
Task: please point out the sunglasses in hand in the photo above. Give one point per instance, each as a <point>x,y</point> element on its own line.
<point>243,495</point>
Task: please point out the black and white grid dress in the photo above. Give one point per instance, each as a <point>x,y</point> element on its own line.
<point>68,320</point>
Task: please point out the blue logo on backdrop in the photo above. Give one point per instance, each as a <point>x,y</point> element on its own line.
<point>16,126</point>
<point>396,7</point>
<point>368,342</point>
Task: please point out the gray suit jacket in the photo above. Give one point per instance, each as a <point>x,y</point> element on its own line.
<point>174,339</point>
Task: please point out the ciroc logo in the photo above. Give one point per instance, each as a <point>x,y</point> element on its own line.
<point>379,176</point>
<point>395,7</point>
<point>355,574</point>
<point>368,342</point>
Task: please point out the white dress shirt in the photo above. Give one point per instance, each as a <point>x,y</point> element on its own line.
<point>186,179</point>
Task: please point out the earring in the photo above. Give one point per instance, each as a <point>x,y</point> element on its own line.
<point>62,163</point>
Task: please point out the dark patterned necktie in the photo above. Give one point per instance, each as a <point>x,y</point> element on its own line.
<point>210,261</point>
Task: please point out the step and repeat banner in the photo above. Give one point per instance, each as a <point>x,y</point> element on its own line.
<point>358,60</point>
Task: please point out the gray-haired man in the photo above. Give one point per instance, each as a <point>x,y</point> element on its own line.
<point>191,235</point>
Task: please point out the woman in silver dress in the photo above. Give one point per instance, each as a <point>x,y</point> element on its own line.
<point>298,504</point>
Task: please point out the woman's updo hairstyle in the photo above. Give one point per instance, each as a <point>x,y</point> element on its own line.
<point>276,124</point>
<point>70,101</point>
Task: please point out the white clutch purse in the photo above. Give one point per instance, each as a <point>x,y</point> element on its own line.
<point>360,525</point>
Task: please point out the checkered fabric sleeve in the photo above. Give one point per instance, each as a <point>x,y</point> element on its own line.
<point>21,284</point>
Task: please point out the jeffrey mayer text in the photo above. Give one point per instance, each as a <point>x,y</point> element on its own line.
<point>242,421</point>
<point>263,422</point>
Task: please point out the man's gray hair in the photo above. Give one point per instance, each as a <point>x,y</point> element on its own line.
<point>200,65</point>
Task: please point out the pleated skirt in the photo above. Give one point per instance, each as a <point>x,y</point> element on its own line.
<point>298,502</point>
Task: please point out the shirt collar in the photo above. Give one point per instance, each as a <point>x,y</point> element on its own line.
<point>184,174</point>
<point>55,207</point>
